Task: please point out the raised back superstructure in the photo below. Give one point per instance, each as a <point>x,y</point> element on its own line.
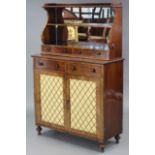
<point>77,27</point>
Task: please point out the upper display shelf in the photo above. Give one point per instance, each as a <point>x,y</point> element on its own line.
<point>99,23</point>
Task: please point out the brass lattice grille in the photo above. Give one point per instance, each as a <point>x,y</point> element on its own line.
<point>83,105</point>
<point>51,89</point>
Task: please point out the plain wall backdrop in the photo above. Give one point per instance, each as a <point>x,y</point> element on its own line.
<point>35,21</point>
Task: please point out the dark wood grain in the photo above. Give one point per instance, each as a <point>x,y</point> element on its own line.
<point>115,41</point>
<point>113,98</point>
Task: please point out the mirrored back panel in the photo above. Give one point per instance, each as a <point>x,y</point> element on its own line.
<point>71,24</point>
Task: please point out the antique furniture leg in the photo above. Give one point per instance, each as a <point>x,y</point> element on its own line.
<point>117,137</point>
<point>101,146</point>
<point>39,128</point>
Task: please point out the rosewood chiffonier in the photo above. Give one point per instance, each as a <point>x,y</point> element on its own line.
<point>78,76</point>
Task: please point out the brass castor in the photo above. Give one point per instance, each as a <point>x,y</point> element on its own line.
<point>39,129</point>
<point>101,146</point>
<point>117,137</point>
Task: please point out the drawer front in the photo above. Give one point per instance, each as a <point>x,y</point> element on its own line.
<point>75,52</point>
<point>83,52</point>
<point>87,53</point>
<point>60,50</point>
<point>82,69</point>
<point>53,65</point>
<point>56,50</point>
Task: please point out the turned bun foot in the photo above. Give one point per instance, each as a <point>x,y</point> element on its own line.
<point>117,137</point>
<point>39,129</point>
<point>101,147</point>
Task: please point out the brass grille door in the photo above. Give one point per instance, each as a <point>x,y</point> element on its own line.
<point>51,99</point>
<point>83,105</point>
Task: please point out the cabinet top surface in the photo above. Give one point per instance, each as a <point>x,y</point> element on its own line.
<point>52,5</point>
<point>76,59</point>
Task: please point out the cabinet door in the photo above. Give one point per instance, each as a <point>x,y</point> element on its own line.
<point>85,95</point>
<point>83,105</point>
<point>49,88</point>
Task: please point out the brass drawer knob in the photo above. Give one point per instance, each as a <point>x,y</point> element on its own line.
<point>40,63</point>
<point>99,53</point>
<point>94,70</point>
<point>74,68</point>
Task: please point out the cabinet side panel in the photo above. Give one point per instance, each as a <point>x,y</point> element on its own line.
<point>115,41</point>
<point>113,98</point>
